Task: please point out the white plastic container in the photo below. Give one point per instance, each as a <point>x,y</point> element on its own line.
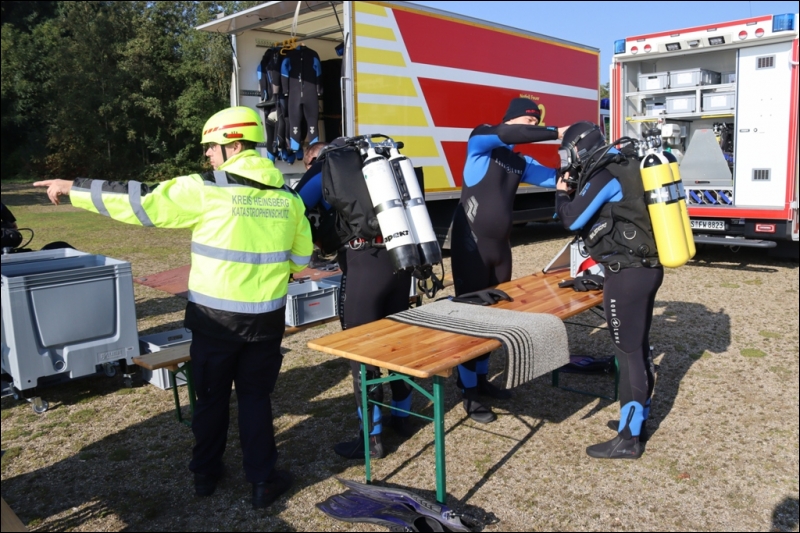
<point>655,106</point>
<point>312,301</point>
<point>693,77</point>
<point>681,104</point>
<point>157,342</point>
<point>654,81</point>
<point>719,101</point>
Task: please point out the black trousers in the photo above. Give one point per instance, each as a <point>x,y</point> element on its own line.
<point>254,367</point>
<point>370,291</point>
<point>628,298</point>
<point>476,265</point>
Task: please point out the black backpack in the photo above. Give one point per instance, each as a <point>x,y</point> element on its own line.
<point>343,187</point>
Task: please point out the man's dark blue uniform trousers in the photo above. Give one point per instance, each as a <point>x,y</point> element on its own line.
<point>254,367</point>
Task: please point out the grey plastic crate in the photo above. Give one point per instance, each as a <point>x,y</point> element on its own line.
<point>42,255</point>
<point>157,342</point>
<point>680,104</point>
<point>654,81</point>
<point>311,301</point>
<point>655,106</point>
<point>693,77</point>
<point>65,316</point>
<point>719,101</point>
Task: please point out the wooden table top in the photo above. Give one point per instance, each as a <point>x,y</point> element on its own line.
<point>425,352</point>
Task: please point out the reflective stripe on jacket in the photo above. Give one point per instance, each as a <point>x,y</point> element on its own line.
<point>248,234</point>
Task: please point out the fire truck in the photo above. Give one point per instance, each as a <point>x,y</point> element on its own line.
<point>724,97</point>
<point>424,77</point>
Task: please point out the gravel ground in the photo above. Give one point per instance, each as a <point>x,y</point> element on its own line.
<point>724,455</point>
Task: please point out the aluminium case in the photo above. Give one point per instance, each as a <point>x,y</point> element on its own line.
<point>65,312</point>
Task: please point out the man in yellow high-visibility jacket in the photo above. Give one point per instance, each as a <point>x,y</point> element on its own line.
<point>249,233</point>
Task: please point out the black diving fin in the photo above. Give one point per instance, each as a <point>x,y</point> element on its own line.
<point>438,512</point>
<point>352,506</point>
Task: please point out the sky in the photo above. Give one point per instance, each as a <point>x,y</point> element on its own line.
<point>599,24</point>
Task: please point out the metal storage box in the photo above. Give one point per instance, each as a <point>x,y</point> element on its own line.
<point>310,301</point>
<point>654,81</point>
<point>721,101</point>
<point>64,313</point>
<point>655,106</point>
<point>155,343</point>
<point>681,104</point>
<point>693,77</point>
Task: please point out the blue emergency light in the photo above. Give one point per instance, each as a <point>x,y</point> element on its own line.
<point>783,22</point>
<point>619,47</point>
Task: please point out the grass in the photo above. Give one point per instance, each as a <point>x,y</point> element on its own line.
<point>82,416</point>
<point>120,454</point>
<point>752,352</point>
<point>770,334</point>
<point>729,285</point>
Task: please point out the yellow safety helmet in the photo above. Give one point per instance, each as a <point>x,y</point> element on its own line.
<point>234,124</point>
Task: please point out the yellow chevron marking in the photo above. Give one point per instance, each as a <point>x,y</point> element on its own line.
<point>371,9</point>
<point>381,57</point>
<point>379,84</point>
<point>376,32</point>
<point>417,146</point>
<point>391,115</point>
<point>435,178</point>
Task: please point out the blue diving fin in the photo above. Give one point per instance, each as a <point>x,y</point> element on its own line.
<point>441,513</point>
<point>355,507</point>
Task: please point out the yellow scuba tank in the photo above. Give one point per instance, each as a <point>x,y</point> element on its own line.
<point>661,197</point>
<point>687,225</point>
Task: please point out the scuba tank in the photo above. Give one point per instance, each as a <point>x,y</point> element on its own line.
<point>417,214</point>
<point>663,204</point>
<point>389,208</point>
<point>687,225</point>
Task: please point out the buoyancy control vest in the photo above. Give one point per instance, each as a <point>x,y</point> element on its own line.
<point>620,234</point>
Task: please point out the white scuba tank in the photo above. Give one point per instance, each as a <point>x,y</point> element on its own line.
<point>388,204</point>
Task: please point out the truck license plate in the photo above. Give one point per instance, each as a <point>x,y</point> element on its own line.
<point>713,225</point>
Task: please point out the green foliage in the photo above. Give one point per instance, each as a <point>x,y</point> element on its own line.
<point>112,90</point>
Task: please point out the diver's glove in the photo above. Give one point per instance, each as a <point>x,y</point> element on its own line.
<point>584,282</point>
<point>483,297</point>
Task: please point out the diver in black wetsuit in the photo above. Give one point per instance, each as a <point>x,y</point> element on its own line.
<point>369,291</point>
<point>480,247</point>
<point>609,212</point>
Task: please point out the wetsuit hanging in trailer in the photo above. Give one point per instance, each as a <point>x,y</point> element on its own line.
<point>301,84</point>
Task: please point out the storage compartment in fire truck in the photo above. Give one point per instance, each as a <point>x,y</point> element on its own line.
<point>723,113</point>
<point>693,99</point>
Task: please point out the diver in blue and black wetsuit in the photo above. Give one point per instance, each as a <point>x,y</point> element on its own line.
<point>369,291</point>
<point>480,243</point>
<point>609,212</point>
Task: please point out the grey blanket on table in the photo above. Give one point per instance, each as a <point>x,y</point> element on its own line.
<point>535,343</point>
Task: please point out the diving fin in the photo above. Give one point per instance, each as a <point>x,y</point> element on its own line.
<point>441,513</point>
<point>355,507</point>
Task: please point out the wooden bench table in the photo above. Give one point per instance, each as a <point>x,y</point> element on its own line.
<point>406,350</point>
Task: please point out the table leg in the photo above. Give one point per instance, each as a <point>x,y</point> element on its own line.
<point>438,439</point>
<point>366,411</point>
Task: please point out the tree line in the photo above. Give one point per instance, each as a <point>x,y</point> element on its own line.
<point>111,90</point>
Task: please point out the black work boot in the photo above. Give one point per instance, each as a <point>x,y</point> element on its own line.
<point>206,484</point>
<point>402,426</point>
<point>617,448</point>
<point>354,449</point>
<point>485,388</point>
<point>479,413</point>
<point>644,434</point>
<point>266,492</point>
